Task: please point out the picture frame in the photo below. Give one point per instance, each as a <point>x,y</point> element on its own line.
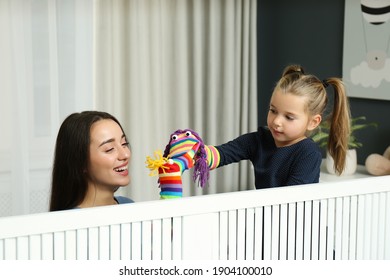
<point>366,57</point>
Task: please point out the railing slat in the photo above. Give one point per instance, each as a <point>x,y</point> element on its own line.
<point>136,241</point>
<point>47,246</point>
<point>147,231</point>
<point>250,232</point>
<point>241,224</point>
<point>70,245</point>
<point>223,235</point>
<point>360,228</point>
<point>345,228</point>
<point>10,249</point>
<point>387,227</point>
<point>331,229</point>
<point>374,226</point>
<point>299,230</point>
<point>176,238</point>
<point>338,228</point>
<point>115,239</point>
<point>157,240</point>
<point>126,241</point>
<point>323,229</point>
<point>275,232</point>
<point>353,228</point>
<point>258,233</point>
<point>2,249</point>
<point>82,244</point>
<point>307,230</point>
<point>23,247</point>
<point>283,231</point>
<point>315,229</point>
<point>167,239</point>
<point>104,243</point>
<point>291,242</point>
<point>367,227</point>
<point>382,225</point>
<point>59,245</point>
<point>93,243</point>
<point>232,233</point>
<point>35,247</point>
<point>267,232</point>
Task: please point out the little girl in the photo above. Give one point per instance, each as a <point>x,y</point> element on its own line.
<point>282,153</point>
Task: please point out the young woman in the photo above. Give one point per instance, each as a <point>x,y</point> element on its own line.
<point>282,153</point>
<point>90,162</point>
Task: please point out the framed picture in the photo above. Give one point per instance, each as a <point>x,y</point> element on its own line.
<point>366,58</point>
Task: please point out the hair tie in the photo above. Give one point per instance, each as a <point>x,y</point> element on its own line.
<point>325,83</point>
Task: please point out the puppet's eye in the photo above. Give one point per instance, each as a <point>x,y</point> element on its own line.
<point>188,133</point>
<point>174,137</point>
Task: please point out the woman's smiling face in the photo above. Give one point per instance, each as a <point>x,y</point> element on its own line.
<point>109,155</point>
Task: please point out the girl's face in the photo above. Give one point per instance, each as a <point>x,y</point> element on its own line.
<point>287,119</point>
<point>109,155</point>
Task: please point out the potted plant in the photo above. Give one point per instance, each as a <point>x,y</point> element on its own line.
<point>321,137</point>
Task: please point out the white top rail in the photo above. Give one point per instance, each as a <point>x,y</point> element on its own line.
<point>25,225</point>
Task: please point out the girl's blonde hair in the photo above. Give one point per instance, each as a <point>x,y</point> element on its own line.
<point>296,82</point>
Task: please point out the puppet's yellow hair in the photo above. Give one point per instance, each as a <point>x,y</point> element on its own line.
<point>155,164</point>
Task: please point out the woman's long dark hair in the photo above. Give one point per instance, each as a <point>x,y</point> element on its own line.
<point>71,157</point>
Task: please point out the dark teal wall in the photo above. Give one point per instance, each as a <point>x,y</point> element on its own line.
<point>310,33</point>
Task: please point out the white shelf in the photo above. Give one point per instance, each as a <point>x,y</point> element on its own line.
<point>325,176</point>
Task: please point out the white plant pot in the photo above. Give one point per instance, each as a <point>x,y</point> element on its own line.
<point>350,163</point>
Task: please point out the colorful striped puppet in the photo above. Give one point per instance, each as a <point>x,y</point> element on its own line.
<point>184,151</point>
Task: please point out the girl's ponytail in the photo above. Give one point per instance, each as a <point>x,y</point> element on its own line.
<point>340,126</point>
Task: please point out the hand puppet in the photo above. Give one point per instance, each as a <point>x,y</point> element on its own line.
<point>185,150</point>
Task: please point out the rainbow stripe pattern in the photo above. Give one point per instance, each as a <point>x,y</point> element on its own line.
<point>213,157</point>
<point>185,150</point>
<point>181,157</point>
<point>170,181</point>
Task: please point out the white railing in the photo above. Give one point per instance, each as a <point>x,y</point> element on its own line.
<point>342,220</point>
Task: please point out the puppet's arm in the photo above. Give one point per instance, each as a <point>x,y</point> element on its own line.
<point>213,156</point>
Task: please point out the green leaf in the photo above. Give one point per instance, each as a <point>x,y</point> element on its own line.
<point>321,135</point>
